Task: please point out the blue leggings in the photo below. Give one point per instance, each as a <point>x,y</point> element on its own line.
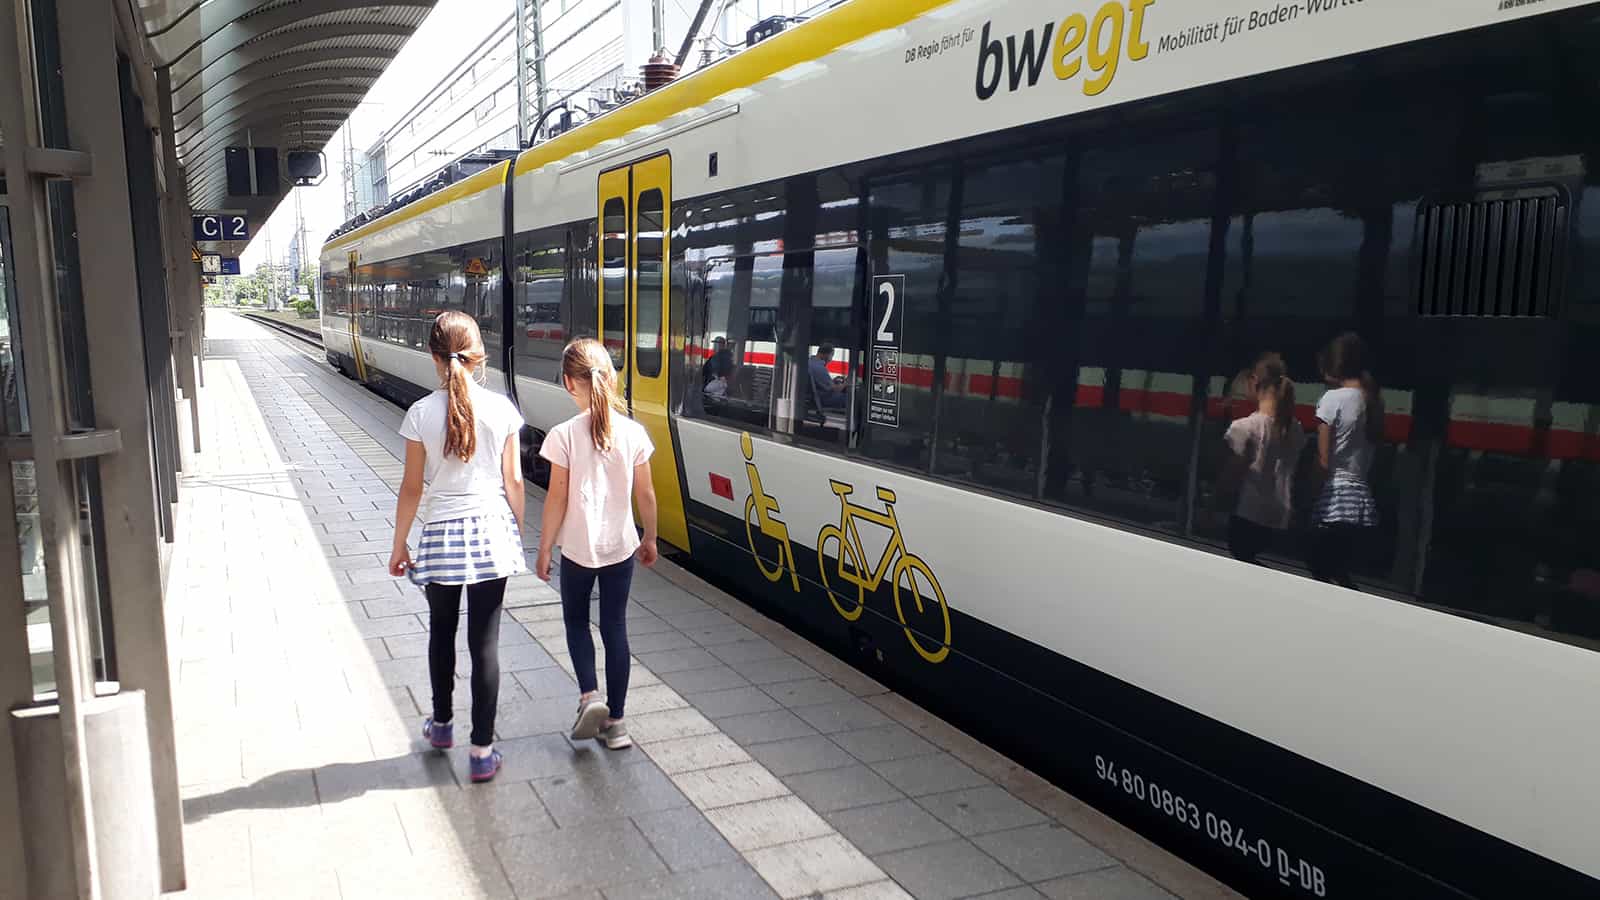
<point>576,584</point>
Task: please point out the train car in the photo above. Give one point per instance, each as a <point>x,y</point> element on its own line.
<point>934,311</point>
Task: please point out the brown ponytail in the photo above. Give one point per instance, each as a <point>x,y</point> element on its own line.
<point>1272,376</point>
<point>456,343</point>
<point>1346,359</point>
<point>586,361</point>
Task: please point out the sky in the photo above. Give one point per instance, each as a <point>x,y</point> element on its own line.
<point>451,30</point>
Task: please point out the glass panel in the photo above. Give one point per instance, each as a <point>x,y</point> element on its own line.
<point>13,395</point>
<point>542,294</point>
<point>35,597</point>
<point>614,280</point>
<point>651,233</point>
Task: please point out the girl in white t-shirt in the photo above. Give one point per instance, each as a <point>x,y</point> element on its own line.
<point>1265,449</point>
<point>462,457</point>
<point>1349,429</point>
<point>599,464</point>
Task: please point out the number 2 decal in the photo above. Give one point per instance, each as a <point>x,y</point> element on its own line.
<point>886,291</point>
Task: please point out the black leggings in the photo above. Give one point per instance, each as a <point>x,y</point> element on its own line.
<point>576,583</point>
<point>1333,552</point>
<point>483,645</point>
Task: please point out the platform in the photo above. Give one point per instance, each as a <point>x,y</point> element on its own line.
<point>765,767</point>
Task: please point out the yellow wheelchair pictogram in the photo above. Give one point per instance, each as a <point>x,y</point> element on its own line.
<point>765,506</point>
<point>908,570</point>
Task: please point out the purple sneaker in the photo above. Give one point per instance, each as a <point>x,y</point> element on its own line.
<point>484,768</point>
<point>441,735</point>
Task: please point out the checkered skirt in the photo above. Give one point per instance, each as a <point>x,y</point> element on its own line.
<point>1346,500</point>
<point>468,550</point>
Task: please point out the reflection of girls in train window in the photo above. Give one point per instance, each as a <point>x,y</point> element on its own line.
<point>1265,449</point>
<point>1349,427</point>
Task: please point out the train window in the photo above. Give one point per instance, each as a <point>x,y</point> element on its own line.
<point>1133,329</point>
<point>833,345</point>
<point>542,292</point>
<point>650,232</point>
<point>614,280</point>
<point>582,316</point>
<point>989,424</point>
<point>909,218</point>
<point>741,310</point>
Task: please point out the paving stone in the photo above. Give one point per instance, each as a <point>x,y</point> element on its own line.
<point>668,725</point>
<point>885,742</point>
<point>549,865</point>
<point>981,810</point>
<point>699,752</point>
<point>735,881</point>
<point>595,793</point>
<point>665,661</point>
<point>748,651</point>
<point>1116,883</point>
<point>849,715</point>
<point>673,604</point>
<point>803,754</point>
<point>547,683</point>
<point>344,780</point>
<point>545,716</point>
<point>728,785</point>
<point>653,698</point>
<point>733,702</point>
<point>808,867</point>
<point>409,604</point>
<point>697,681</point>
<point>524,656</point>
<point>809,692</point>
<point>835,789</point>
<point>934,774</point>
<point>774,671</point>
<point>765,823</point>
<point>1040,852</point>
<point>1016,893</point>
<point>685,840</point>
<point>888,827</point>
<point>436,820</point>
<point>764,727</point>
<point>946,871</point>
<point>389,627</point>
<point>407,646</point>
<point>878,890</point>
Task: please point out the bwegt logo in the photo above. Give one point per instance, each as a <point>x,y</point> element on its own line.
<point>1020,59</point>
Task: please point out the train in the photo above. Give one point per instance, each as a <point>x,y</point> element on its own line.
<point>934,310</point>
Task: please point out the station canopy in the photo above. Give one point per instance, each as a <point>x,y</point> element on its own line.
<point>280,74</point>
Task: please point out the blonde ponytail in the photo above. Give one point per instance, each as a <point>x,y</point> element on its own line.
<point>585,360</point>
<point>456,342</point>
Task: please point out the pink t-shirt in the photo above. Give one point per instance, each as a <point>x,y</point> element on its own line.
<point>598,530</point>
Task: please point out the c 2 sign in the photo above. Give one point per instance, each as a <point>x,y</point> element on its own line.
<point>221,227</point>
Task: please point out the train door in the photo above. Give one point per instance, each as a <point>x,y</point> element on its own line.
<point>635,205</point>
<point>353,323</point>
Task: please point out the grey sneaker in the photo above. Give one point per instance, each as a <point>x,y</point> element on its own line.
<point>591,716</point>
<point>615,736</point>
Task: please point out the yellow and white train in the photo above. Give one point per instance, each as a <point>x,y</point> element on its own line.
<point>932,311</point>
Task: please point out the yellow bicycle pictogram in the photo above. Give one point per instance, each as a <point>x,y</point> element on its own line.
<point>765,507</point>
<point>907,571</point>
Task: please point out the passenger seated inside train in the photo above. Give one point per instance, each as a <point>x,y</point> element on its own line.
<point>829,391</point>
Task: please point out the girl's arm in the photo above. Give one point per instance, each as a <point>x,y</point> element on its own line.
<point>644,494</point>
<point>511,474</point>
<point>555,512</point>
<point>1324,448</point>
<point>405,508</point>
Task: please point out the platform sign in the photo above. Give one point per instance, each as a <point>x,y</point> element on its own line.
<point>476,268</point>
<point>210,264</point>
<point>230,265</point>
<point>888,316</point>
<point>221,227</point>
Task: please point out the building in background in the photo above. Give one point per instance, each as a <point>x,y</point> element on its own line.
<point>585,54</point>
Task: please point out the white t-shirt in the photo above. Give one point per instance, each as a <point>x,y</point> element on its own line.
<point>1265,495</point>
<point>1344,410</point>
<point>598,530</point>
<point>457,489</point>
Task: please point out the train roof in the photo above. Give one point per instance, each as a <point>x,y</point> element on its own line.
<point>811,40</point>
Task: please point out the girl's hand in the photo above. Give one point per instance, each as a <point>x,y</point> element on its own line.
<point>542,567</point>
<point>399,561</point>
<point>647,552</point>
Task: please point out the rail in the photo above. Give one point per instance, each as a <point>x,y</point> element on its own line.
<point>295,331</point>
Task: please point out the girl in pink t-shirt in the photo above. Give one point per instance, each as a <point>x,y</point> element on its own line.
<point>599,463</point>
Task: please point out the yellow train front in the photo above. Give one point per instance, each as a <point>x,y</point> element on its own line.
<point>934,312</point>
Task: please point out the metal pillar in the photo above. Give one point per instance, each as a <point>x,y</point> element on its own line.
<point>182,276</point>
<point>530,36</point>
<point>121,402</point>
<point>29,163</point>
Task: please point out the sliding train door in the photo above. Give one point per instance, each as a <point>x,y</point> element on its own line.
<point>635,204</point>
